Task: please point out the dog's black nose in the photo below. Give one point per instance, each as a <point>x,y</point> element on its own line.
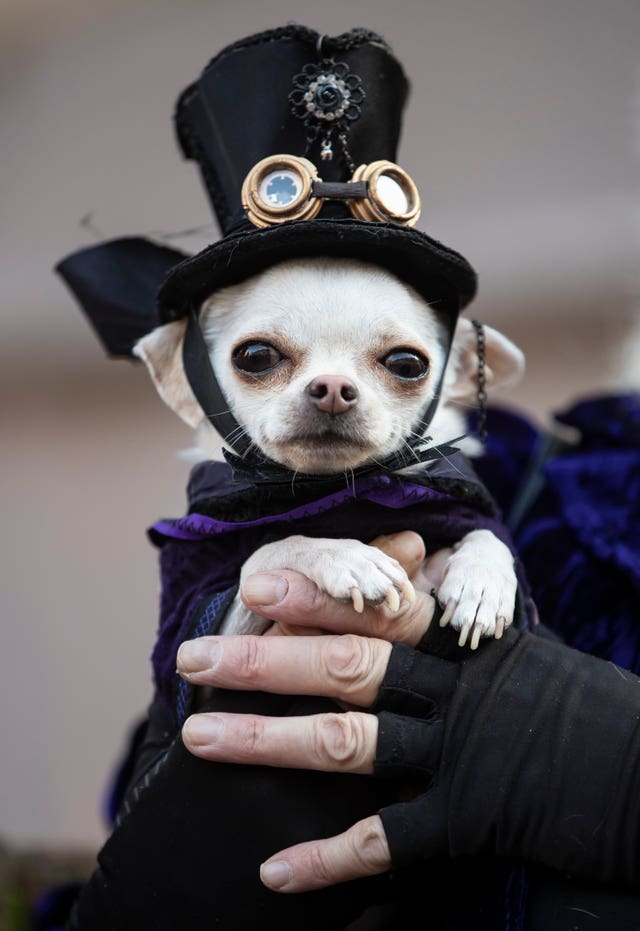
<point>332,394</point>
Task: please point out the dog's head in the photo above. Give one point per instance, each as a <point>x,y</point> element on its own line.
<point>329,363</point>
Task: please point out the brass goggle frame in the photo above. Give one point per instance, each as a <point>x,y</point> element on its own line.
<point>288,187</point>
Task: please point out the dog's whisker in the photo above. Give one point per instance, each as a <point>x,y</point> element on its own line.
<point>253,446</point>
<point>231,439</point>
<point>435,448</point>
<point>248,405</point>
<point>419,436</point>
<point>448,459</point>
<point>238,432</point>
<point>411,450</point>
<point>346,474</point>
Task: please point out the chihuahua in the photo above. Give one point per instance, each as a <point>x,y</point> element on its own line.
<point>327,364</point>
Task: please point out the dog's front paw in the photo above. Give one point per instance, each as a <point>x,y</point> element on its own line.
<point>350,570</point>
<point>346,569</point>
<point>479,588</point>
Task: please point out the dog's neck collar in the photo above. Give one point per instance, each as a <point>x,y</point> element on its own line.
<point>257,468</point>
<point>260,470</point>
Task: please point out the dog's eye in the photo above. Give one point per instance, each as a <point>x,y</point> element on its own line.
<point>256,358</point>
<point>404,363</point>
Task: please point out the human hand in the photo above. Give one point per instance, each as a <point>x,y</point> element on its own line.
<point>347,668</point>
<point>509,731</point>
<point>297,607</point>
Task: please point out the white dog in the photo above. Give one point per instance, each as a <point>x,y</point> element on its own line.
<point>327,365</point>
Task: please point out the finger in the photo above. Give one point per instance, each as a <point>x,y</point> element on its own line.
<point>361,851</point>
<point>293,601</point>
<point>432,572</point>
<point>334,742</point>
<point>347,668</point>
<point>407,547</point>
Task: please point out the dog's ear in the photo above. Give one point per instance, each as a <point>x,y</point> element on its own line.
<point>504,362</point>
<point>161,351</point>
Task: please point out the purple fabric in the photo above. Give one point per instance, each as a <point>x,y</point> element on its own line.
<point>201,556</point>
<point>580,539</point>
<point>511,444</point>
<point>599,501</point>
<point>581,546</point>
<point>383,490</point>
<point>606,421</point>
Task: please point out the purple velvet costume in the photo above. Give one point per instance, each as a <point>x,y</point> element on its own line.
<point>574,512</point>
<point>203,552</point>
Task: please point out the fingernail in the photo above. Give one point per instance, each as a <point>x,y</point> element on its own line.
<point>276,874</point>
<point>264,589</point>
<point>198,655</point>
<point>202,729</point>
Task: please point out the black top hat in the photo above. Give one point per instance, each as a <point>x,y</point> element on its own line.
<point>329,110</point>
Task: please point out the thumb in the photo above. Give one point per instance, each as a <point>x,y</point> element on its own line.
<point>407,547</point>
<point>360,851</point>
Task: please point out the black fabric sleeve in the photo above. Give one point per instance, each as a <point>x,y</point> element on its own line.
<point>532,750</point>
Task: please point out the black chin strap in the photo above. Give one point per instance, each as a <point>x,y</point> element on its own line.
<point>424,421</point>
<point>204,384</point>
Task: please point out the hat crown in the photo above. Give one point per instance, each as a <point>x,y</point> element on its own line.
<point>239,110</point>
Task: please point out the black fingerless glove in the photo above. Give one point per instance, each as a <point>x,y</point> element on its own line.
<point>528,749</point>
<point>186,851</point>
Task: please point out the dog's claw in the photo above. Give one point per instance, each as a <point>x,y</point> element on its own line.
<point>392,599</point>
<point>449,611</point>
<point>464,633</point>
<point>475,637</point>
<point>500,625</point>
<point>357,599</point>
<point>408,591</point>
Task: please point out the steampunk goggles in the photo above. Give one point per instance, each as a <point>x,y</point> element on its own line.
<point>288,187</point>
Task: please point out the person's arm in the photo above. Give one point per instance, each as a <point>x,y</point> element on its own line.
<point>524,749</point>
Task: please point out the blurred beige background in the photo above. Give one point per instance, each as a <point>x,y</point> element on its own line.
<point>523,134</point>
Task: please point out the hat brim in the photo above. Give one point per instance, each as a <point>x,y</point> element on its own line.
<point>440,275</point>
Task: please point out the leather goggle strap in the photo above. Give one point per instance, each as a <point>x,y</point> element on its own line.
<point>204,384</point>
<point>340,190</point>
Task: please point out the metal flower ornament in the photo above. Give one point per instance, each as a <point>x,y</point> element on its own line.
<point>327,97</point>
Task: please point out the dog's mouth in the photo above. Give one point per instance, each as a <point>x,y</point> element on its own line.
<point>324,438</point>
<point>323,451</point>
